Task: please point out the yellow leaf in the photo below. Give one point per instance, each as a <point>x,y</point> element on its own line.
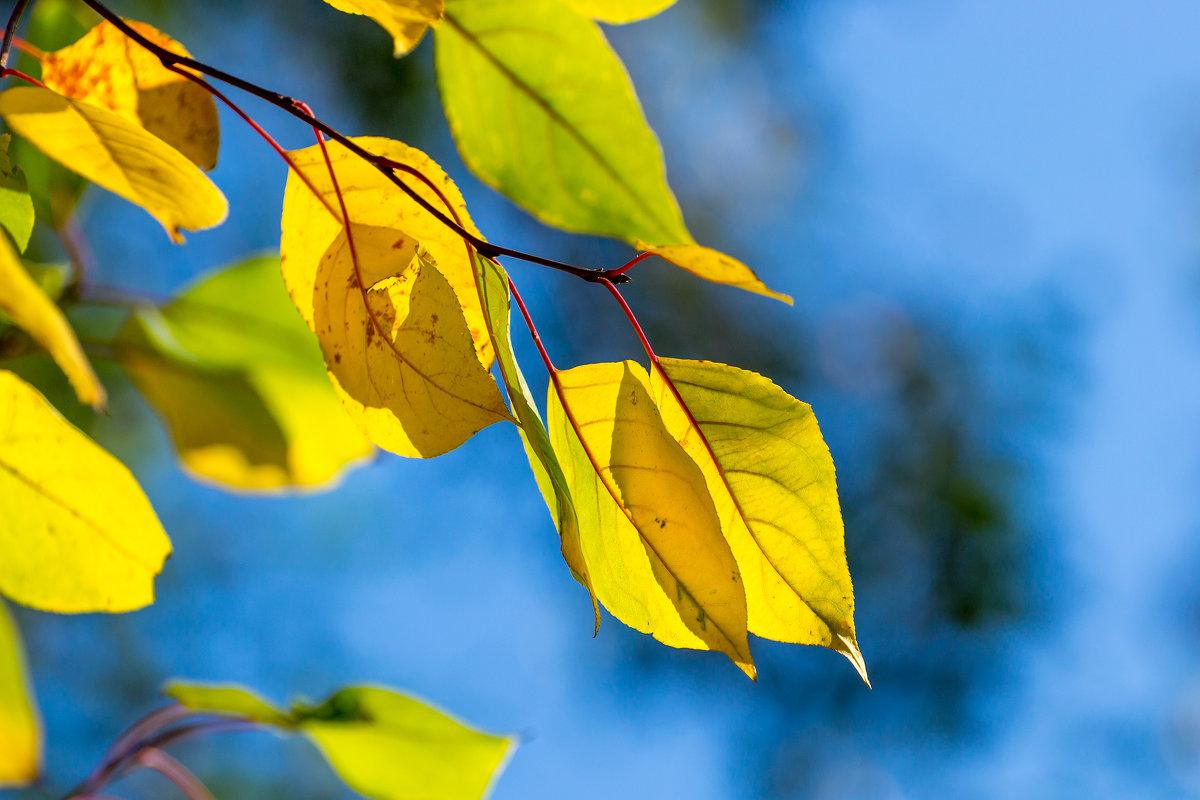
<point>20,727</point>
<point>713,265</point>
<point>649,530</point>
<point>405,20</point>
<point>619,11</point>
<point>311,223</point>
<point>76,531</point>
<point>771,477</point>
<point>118,155</point>
<point>547,471</point>
<point>31,310</point>
<point>107,69</point>
<point>397,347</point>
<point>241,383</point>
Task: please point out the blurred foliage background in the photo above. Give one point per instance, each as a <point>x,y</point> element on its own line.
<point>988,220</point>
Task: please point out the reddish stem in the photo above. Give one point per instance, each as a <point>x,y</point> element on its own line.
<point>28,49</point>
<point>621,270</point>
<point>9,72</point>
<point>176,773</point>
<point>537,340</point>
<point>633,321</point>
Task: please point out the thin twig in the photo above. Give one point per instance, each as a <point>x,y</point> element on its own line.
<point>14,19</point>
<point>128,742</point>
<point>176,773</point>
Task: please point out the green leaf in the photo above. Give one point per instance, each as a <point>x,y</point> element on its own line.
<point>228,700</point>
<point>240,382</point>
<point>16,206</point>
<point>493,294</point>
<point>649,530</point>
<point>619,11</point>
<point>382,743</point>
<point>772,479</point>
<point>76,531</point>
<point>542,110</point>
<point>26,304</point>
<point>20,727</point>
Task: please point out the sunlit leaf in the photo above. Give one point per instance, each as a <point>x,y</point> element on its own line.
<point>405,20</point>
<point>241,383</point>
<point>31,310</point>
<point>493,288</point>
<point>311,223</point>
<point>397,346</point>
<point>117,154</point>
<point>619,11</point>
<point>772,479</point>
<point>715,266</point>
<point>107,69</point>
<point>543,111</point>
<point>76,531</point>
<point>649,530</point>
<point>20,727</point>
<point>16,206</point>
<point>382,743</point>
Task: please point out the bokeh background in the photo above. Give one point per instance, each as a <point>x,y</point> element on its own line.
<point>988,214</point>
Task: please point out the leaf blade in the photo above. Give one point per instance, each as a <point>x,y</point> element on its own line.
<point>397,347</point>
<point>105,69</point>
<point>715,266</point>
<point>31,310</point>
<point>619,12</point>
<point>650,532</point>
<point>577,152</point>
<point>772,478</point>
<point>78,532</point>
<point>118,155</point>
<point>405,20</point>
<point>241,383</point>
<point>20,725</point>
<point>16,204</point>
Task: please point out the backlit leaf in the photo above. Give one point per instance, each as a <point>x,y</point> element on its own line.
<point>619,11</point>
<point>382,743</point>
<point>772,479</point>
<point>405,20</point>
<point>241,383</point>
<point>715,266</point>
<point>76,531</point>
<point>312,222</point>
<point>493,289</point>
<point>397,346</point>
<point>16,206</point>
<point>31,310</point>
<point>117,154</point>
<point>649,530</point>
<point>542,110</point>
<point>20,727</point>
<point>107,69</point>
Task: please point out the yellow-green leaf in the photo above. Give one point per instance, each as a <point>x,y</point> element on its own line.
<point>543,110</point>
<point>715,266</point>
<point>397,346</point>
<point>619,11</point>
<point>16,206</point>
<point>312,221</point>
<point>77,533</point>
<point>20,726</point>
<point>107,69</point>
<point>382,743</point>
<point>229,700</point>
<point>772,479</point>
<point>117,154</point>
<point>493,290</point>
<point>31,310</point>
<point>241,383</point>
<point>649,530</point>
<point>405,20</point>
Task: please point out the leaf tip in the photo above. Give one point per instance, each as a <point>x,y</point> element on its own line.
<point>847,646</point>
